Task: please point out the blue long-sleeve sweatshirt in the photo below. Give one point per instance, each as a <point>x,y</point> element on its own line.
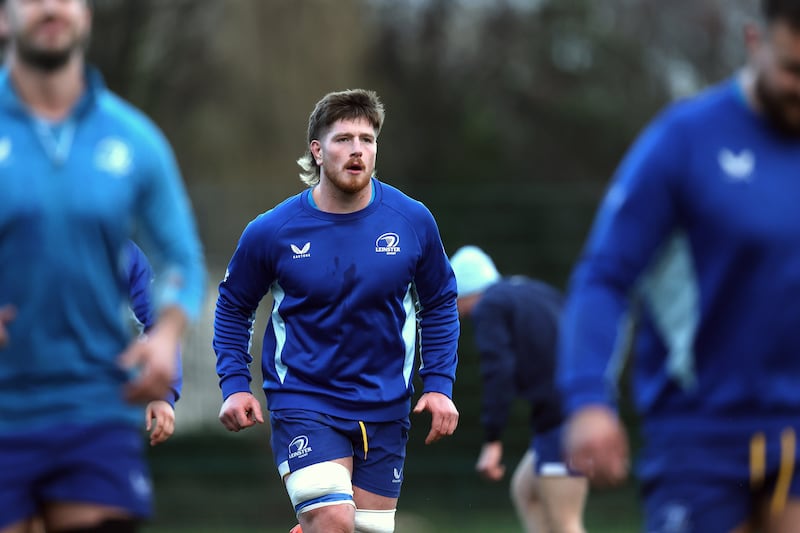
<point>71,196</point>
<point>701,226</point>
<point>349,292</point>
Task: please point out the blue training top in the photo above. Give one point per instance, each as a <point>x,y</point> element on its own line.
<point>701,223</point>
<point>348,293</point>
<point>72,195</point>
<point>516,325</point>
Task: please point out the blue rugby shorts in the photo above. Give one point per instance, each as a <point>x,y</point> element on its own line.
<point>102,464</point>
<point>301,438</point>
<point>693,484</point>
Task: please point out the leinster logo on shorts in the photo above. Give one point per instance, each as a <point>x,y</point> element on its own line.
<point>388,243</point>
<point>674,517</point>
<point>299,447</point>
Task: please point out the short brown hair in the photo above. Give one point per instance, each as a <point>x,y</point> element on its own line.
<point>348,104</point>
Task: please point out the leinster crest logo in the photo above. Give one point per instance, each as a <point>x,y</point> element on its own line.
<point>388,243</point>
<point>299,447</point>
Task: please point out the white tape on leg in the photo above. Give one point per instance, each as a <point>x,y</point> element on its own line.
<point>319,485</point>
<point>368,521</point>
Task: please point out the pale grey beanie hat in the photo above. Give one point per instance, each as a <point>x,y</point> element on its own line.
<point>474,270</point>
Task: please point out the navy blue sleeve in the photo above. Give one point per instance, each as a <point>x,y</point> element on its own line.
<point>140,278</point>
<point>247,279</point>
<point>177,384</point>
<point>436,289</point>
<point>493,340</point>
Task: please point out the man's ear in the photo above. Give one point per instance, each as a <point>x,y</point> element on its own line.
<point>316,150</point>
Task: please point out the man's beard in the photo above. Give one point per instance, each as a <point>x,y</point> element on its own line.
<point>774,108</point>
<point>344,182</point>
<point>44,60</point>
<point>49,60</point>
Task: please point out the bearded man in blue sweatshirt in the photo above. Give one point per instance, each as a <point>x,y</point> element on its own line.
<point>360,282</point>
<point>700,228</point>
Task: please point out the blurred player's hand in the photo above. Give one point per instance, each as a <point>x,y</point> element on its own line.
<point>240,410</point>
<point>490,464</point>
<point>7,314</point>
<point>154,358</point>
<point>444,415</point>
<point>160,418</point>
<point>597,445</point>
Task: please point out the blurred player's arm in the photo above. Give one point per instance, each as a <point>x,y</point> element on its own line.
<point>635,219</point>
<point>159,414</point>
<point>167,233</point>
<point>497,368</point>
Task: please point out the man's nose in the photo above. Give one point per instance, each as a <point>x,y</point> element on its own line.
<point>49,5</point>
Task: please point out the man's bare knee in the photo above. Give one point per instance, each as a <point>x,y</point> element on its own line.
<point>329,519</point>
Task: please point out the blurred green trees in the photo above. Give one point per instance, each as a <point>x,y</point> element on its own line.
<point>505,117</point>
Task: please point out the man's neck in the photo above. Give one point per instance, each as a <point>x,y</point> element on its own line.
<point>332,200</point>
<point>49,95</point>
<point>747,81</point>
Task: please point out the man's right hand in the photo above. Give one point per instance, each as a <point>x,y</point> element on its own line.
<point>240,410</point>
<point>490,464</point>
<point>7,314</point>
<point>596,445</point>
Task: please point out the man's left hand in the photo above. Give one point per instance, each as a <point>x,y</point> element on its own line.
<point>444,415</point>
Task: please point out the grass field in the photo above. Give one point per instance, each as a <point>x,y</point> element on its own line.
<point>607,512</point>
<point>227,484</point>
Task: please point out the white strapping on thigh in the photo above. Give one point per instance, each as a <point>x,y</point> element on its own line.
<point>319,485</point>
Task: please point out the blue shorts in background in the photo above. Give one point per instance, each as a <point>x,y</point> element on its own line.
<point>101,464</point>
<point>548,455</point>
<point>301,438</point>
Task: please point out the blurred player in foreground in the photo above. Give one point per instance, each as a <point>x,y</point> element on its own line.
<point>701,227</point>
<point>81,172</point>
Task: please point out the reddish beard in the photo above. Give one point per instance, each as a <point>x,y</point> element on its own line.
<point>341,179</point>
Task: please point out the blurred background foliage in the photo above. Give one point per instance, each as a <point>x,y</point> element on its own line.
<point>506,118</point>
